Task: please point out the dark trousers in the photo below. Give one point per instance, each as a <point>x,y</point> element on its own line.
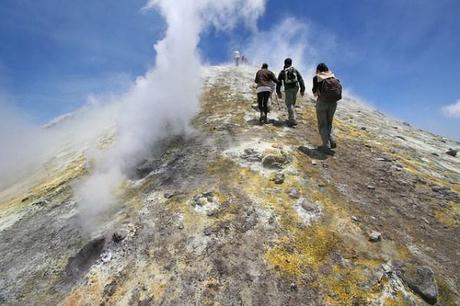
<point>262,100</point>
<point>325,115</point>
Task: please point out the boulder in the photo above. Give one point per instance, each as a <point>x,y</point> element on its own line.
<point>420,279</point>
<point>375,236</point>
<point>452,152</point>
<point>275,161</point>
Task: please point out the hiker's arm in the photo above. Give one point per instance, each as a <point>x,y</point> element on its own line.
<point>273,78</point>
<point>279,83</point>
<point>315,86</point>
<point>301,83</point>
<point>256,80</point>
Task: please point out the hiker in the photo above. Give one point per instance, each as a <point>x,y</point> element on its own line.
<point>236,58</point>
<point>291,79</point>
<point>328,91</point>
<point>265,80</point>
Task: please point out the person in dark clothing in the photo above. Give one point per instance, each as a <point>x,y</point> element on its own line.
<point>265,80</point>
<point>325,109</point>
<point>292,80</point>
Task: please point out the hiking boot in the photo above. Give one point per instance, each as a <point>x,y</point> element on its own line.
<point>292,123</point>
<point>261,118</point>
<point>326,150</point>
<point>265,118</point>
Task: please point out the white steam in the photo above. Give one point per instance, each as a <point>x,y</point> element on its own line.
<point>162,102</point>
<point>23,146</point>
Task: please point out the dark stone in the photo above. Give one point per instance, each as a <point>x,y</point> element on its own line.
<point>118,237</point>
<point>208,231</point>
<point>420,280</point>
<point>375,236</point>
<point>79,264</point>
<point>110,288</point>
<point>251,155</point>
<point>40,203</point>
<point>220,267</point>
<point>452,152</point>
<point>169,195</point>
<point>446,193</point>
<point>279,178</point>
<point>146,302</point>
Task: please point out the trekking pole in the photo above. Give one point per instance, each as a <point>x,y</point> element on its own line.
<point>276,98</point>
<point>278,101</point>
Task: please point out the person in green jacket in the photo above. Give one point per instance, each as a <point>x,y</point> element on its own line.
<point>292,81</point>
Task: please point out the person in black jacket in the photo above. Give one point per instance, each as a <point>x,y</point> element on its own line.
<point>292,80</point>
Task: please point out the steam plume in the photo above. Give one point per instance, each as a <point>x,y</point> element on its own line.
<point>163,101</point>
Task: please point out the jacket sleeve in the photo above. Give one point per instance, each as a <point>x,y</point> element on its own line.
<point>273,78</point>
<point>256,80</point>
<point>301,82</point>
<point>280,82</point>
<point>315,88</point>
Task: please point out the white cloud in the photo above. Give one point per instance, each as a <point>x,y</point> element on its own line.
<point>306,44</point>
<point>452,110</point>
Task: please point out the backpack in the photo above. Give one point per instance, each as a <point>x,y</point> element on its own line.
<point>290,76</point>
<point>331,90</point>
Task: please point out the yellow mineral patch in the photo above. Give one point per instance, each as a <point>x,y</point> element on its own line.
<point>397,300</point>
<point>53,179</point>
<point>304,249</point>
<point>105,142</point>
<point>345,285</point>
<point>449,216</point>
<point>446,295</point>
<point>89,294</point>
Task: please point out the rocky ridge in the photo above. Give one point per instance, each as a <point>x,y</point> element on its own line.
<point>238,213</point>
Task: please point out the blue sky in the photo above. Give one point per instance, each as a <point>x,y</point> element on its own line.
<point>400,55</point>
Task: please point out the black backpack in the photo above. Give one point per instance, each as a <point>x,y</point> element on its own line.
<point>331,90</point>
<point>290,76</point>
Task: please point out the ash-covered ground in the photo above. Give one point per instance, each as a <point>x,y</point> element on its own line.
<point>241,214</point>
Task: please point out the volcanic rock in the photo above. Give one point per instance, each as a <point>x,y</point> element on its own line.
<point>421,280</point>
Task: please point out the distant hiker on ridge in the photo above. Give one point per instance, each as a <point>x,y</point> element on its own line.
<point>265,80</point>
<point>328,91</point>
<point>236,58</point>
<point>292,79</point>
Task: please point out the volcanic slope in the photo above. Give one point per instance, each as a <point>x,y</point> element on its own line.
<point>235,213</point>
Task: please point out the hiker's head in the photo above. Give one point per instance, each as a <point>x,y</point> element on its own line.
<point>321,68</point>
<point>264,66</point>
<point>287,63</point>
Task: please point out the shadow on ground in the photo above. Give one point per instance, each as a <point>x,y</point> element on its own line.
<point>274,122</point>
<point>315,153</point>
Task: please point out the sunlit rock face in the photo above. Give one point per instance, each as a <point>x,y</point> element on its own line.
<point>206,218</point>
